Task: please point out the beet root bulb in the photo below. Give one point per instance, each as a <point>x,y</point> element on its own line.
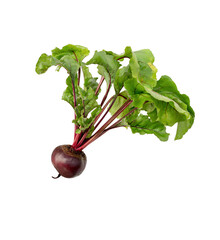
<point>68,162</point>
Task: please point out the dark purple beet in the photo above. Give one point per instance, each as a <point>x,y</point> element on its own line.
<point>68,162</point>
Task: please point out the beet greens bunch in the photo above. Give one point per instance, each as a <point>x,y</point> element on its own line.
<point>140,102</point>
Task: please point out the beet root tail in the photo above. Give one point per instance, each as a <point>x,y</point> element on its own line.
<point>56,176</point>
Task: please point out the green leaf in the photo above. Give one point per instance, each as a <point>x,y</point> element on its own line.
<point>89,81</point>
<point>68,93</point>
<point>70,64</point>
<point>87,107</point>
<point>134,66</point>
<point>90,101</point>
<point>143,125</point>
<point>66,61</point>
<point>142,68</point>
<point>172,107</point>
<point>151,110</point>
<point>168,93</point>
<point>136,92</point>
<point>145,56</point>
<point>85,122</point>
<point>109,65</point>
<point>147,74</point>
<point>115,55</point>
<point>185,125</point>
<point>104,72</point>
<point>127,54</point>
<point>131,117</point>
<point>167,114</point>
<point>153,115</point>
<point>122,75</point>
<point>148,107</point>
<point>107,61</point>
<point>44,62</point>
<point>168,105</point>
<point>76,51</point>
<point>133,87</point>
<point>86,101</point>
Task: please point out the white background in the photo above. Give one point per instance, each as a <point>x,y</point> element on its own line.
<point>134,187</point>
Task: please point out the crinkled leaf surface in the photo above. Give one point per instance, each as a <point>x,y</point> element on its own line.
<point>109,65</point>
<point>122,75</point>
<point>104,72</point>
<point>142,68</point>
<point>127,54</point>
<point>185,125</point>
<point>85,122</point>
<point>76,51</point>
<point>136,92</point>
<point>44,62</point>
<point>142,125</point>
<point>87,106</point>
<point>86,101</point>
<point>176,103</point>
<point>68,62</point>
<point>68,93</point>
<point>89,80</point>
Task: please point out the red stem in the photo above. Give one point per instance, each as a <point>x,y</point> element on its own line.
<point>106,94</point>
<point>74,93</point>
<point>116,123</point>
<point>76,139</point>
<point>79,73</point>
<point>106,130</point>
<point>100,131</point>
<point>75,56</point>
<point>109,109</point>
<point>122,57</point>
<point>76,127</point>
<point>106,112</point>
<point>100,84</point>
<point>103,109</point>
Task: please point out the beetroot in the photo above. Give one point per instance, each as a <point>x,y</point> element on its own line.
<point>140,101</point>
<point>68,162</point>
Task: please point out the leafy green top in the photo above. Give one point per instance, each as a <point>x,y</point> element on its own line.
<point>141,102</point>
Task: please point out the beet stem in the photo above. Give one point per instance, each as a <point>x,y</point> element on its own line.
<point>106,112</point>
<point>107,91</point>
<point>99,85</point>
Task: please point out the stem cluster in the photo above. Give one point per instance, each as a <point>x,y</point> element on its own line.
<point>80,140</point>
